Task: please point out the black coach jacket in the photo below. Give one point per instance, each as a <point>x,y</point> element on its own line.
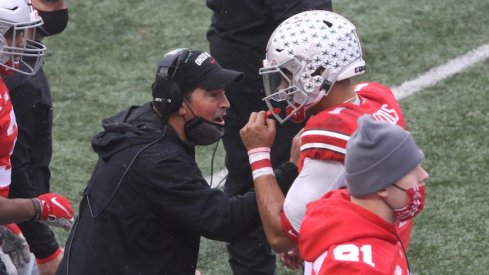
<point>147,204</point>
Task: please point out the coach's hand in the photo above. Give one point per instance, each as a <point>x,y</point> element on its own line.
<point>258,132</point>
<point>55,210</point>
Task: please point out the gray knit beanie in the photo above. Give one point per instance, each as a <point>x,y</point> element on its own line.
<point>377,155</point>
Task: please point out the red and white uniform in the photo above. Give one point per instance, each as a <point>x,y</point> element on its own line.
<point>340,237</point>
<point>8,136</point>
<point>323,150</point>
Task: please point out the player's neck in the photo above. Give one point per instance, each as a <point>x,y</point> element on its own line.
<point>376,206</point>
<point>341,92</point>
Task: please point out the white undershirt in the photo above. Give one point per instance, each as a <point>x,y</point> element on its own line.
<point>316,179</point>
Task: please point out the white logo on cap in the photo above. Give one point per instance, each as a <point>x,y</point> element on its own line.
<point>201,58</point>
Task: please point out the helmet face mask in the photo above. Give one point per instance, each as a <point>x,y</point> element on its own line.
<point>309,51</point>
<point>18,23</point>
<point>280,89</point>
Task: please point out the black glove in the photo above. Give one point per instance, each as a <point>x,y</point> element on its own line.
<point>15,246</point>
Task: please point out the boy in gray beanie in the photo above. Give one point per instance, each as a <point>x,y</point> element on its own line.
<point>385,187</point>
<point>378,154</point>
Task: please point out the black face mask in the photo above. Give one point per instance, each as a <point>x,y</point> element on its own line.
<point>54,22</point>
<point>203,132</point>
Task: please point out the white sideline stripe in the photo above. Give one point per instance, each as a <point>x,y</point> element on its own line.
<point>410,87</point>
<point>439,73</point>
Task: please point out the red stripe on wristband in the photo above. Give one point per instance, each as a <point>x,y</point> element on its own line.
<point>261,164</point>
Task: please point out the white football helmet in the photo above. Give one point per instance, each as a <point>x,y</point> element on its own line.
<point>306,55</point>
<point>18,21</point>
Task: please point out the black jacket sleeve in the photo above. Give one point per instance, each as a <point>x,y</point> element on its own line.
<point>183,196</point>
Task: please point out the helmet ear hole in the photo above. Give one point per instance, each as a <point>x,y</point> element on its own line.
<point>326,85</point>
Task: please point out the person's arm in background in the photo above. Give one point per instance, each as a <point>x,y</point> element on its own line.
<point>16,210</point>
<point>50,208</point>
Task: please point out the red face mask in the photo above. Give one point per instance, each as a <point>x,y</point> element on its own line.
<point>298,117</point>
<point>415,205</point>
<point>6,71</point>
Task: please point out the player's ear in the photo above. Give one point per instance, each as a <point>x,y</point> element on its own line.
<point>382,193</point>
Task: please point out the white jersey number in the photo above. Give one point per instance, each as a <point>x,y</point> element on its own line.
<point>352,253</point>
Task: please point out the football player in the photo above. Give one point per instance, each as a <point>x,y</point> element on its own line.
<point>310,61</point>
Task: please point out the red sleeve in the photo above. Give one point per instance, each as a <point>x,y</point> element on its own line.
<point>4,191</point>
<point>326,134</point>
<point>289,231</point>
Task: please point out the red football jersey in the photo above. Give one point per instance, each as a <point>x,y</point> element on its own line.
<point>326,134</point>
<point>340,237</point>
<point>8,136</point>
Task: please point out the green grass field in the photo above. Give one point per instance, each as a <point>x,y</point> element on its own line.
<point>106,58</point>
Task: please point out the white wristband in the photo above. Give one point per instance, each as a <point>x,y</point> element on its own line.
<point>260,162</point>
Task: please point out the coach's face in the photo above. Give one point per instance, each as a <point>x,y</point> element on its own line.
<point>201,116</point>
<point>210,105</point>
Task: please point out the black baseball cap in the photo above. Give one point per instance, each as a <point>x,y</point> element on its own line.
<point>199,69</point>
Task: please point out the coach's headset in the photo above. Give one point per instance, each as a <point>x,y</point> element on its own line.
<point>167,94</point>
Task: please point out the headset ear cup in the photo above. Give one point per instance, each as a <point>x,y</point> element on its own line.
<point>167,97</point>
<point>175,96</point>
